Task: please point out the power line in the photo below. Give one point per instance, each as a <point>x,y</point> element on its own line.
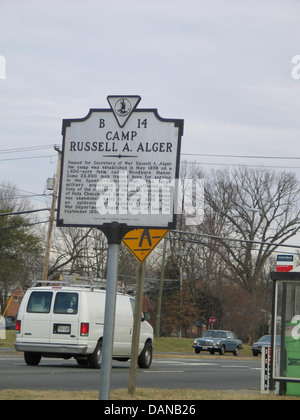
<point>223,238</point>
<point>29,157</point>
<point>189,162</point>
<point>26,149</point>
<point>32,194</point>
<point>243,156</point>
<point>29,194</point>
<point>23,212</point>
<point>24,226</point>
<point>43,147</point>
<point>240,165</point>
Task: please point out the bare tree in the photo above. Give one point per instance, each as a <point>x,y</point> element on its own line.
<point>20,245</point>
<point>79,250</point>
<point>258,207</point>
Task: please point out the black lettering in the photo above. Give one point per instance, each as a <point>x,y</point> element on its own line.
<point>140,148</point>
<point>126,148</point>
<point>123,135</point>
<point>144,123</point>
<point>169,147</point>
<point>133,134</point>
<point>116,136</point>
<point>102,123</point>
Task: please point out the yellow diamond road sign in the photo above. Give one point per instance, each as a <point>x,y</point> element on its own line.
<point>141,242</point>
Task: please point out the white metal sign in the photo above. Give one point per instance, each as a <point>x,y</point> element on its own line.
<point>120,164</point>
<point>265,380</point>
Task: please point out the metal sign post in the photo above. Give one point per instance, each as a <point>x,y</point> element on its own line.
<point>109,320</point>
<point>114,236</point>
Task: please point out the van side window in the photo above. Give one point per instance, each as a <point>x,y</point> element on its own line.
<point>66,303</point>
<point>39,302</point>
<point>132,302</point>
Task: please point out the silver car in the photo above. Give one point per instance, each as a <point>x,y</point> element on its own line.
<point>219,341</point>
<point>264,341</point>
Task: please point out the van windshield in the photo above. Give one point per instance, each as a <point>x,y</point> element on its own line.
<point>39,302</point>
<point>66,303</point>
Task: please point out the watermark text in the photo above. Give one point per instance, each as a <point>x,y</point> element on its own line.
<point>2,67</point>
<point>296,69</point>
<point>152,197</point>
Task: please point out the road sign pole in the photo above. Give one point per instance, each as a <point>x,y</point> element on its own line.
<point>114,235</point>
<point>136,328</point>
<point>109,320</point>
<point>161,286</point>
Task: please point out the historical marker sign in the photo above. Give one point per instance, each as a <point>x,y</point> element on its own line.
<point>141,242</point>
<point>120,164</point>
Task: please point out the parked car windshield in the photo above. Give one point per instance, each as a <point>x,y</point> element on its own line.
<point>215,334</point>
<point>265,339</point>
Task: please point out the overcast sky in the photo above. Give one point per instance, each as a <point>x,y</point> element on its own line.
<point>224,66</point>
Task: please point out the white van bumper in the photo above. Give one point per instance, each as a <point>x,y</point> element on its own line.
<point>52,348</point>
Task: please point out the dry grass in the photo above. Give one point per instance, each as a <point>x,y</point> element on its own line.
<point>9,340</point>
<point>142,394</point>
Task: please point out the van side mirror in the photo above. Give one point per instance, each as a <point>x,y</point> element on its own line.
<point>146,316</point>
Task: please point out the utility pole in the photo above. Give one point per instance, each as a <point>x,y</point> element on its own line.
<point>180,285</point>
<point>52,215</point>
<point>161,286</point>
<point>136,328</point>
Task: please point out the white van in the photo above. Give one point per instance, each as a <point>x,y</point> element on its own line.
<point>68,321</point>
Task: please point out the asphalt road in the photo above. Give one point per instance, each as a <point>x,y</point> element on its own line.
<point>217,373</point>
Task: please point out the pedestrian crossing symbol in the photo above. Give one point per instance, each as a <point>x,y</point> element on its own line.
<point>141,242</point>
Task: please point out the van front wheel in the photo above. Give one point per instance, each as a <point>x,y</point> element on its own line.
<point>145,358</point>
<point>32,359</point>
<point>95,359</point>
